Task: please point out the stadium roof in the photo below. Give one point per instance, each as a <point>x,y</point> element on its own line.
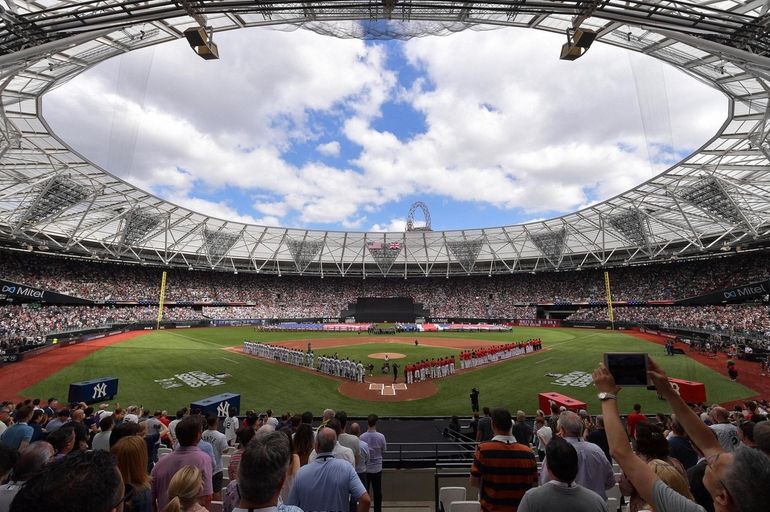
<point>53,199</point>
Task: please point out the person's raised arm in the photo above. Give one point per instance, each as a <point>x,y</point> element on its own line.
<point>698,431</point>
<point>641,476</point>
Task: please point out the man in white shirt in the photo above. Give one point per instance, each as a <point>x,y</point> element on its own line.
<point>101,441</point>
<point>339,451</point>
<point>594,470</point>
<point>5,418</point>
<point>218,441</point>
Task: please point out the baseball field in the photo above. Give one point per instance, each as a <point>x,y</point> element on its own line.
<point>169,369</point>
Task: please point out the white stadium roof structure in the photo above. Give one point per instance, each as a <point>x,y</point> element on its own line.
<point>55,200</point>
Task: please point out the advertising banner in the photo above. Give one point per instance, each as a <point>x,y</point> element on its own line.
<point>733,294</point>
<point>538,323</point>
<point>22,293</point>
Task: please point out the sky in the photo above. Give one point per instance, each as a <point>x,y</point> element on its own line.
<point>487,128</point>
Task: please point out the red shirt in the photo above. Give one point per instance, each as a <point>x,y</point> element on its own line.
<point>633,420</point>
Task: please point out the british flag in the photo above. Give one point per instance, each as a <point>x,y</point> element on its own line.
<point>394,246</point>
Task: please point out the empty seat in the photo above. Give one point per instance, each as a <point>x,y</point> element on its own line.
<point>447,495</point>
<point>225,464</point>
<point>613,504</point>
<point>464,506</point>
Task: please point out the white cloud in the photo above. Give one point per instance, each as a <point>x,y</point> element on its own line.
<point>329,149</point>
<point>395,225</point>
<point>500,130</point>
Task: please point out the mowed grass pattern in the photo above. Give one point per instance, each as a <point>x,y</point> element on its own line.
<point>138,363</point>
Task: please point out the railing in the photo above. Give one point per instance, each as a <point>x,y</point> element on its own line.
<point>427,454</point>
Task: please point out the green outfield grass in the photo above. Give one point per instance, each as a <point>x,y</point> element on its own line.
<point>143,363</point>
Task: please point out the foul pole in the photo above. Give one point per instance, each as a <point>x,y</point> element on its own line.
<point>609,298</point>
<point>160,300</point>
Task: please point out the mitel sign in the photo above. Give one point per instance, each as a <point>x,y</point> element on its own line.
<point>22,291</point>
<point>745,291</point>
<point>733,294</point>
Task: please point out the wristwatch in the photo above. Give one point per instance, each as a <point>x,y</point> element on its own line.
<point>603,396</point>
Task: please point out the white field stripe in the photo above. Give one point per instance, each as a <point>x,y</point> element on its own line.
<point>544,360</point>
<point>195,339</point>
<point>226,359</point>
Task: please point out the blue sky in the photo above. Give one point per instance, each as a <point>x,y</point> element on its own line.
<point>324,133</point>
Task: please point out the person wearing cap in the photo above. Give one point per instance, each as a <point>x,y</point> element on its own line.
<point>131,418</point>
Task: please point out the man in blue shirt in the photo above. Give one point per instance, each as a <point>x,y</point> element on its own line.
<point>326,484</point>
<point>18,435</point>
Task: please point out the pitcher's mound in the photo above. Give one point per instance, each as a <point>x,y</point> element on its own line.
<point>391,355</point>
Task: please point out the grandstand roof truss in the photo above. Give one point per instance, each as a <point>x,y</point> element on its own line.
<point>55,200</point>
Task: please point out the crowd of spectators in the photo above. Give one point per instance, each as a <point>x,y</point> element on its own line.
<point>257,296</point>
<point>743,319</point>
<point>90,458</point>
<point>51,453</point>
<point>459,296</point>
<point>26,327</point>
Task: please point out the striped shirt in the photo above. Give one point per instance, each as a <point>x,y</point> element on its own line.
<point>507,470</point>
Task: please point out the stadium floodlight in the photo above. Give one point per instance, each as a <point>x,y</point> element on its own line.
<point>579,40</point>
<point>201,43</point>
<point>551,244</point>
<point>633,226</point>
<point>217,243</point>
<point>712,196</point>
<point>303,252</point>
<point>466,252</point>
<point>55,195</point>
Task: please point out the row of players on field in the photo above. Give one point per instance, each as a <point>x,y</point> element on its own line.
<point>414,372</point>
<point>485,355</point>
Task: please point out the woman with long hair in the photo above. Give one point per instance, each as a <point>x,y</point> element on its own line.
<point>184,489</point>
<point>131,452</point>
<point>303,442</point>
<point>294,465</point>
<point>651,445</point>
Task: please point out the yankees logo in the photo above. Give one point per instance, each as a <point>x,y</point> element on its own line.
<point>100,390</point>
<point>222,409</point>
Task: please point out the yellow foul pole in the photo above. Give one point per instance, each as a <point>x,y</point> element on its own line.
<point>609,298</point>
<point>160,300</point>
